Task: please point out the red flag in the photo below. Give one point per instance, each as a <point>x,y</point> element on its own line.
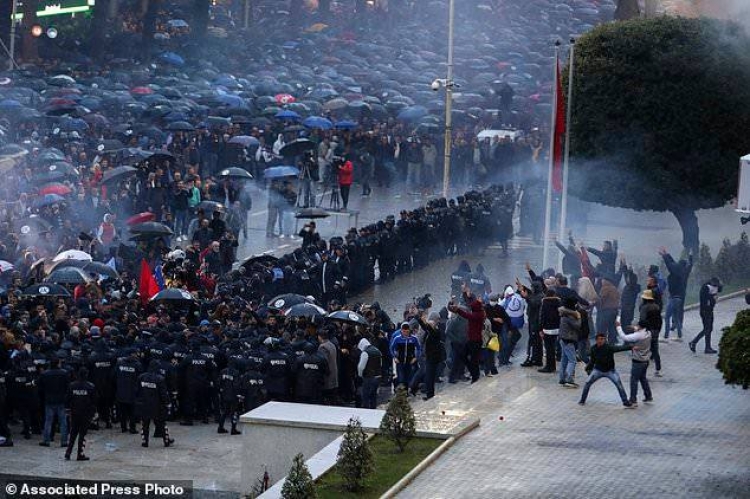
<point>147,286</point>
<point>559,135</point>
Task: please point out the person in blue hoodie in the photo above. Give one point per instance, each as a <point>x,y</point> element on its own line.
<point>405,350</point>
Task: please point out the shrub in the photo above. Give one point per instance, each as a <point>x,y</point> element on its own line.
<point>299,483</point>
<point>355,459</point>
<point>398,424</point>
<point>734,351</point>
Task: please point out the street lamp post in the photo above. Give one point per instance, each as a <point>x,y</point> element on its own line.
<point>12,49</point>
<point>448,104</point>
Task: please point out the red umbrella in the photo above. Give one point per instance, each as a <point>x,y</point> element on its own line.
<point>60,190</point>
<point>140,218</point>
<point>284,98</point>
<point>141,91</point>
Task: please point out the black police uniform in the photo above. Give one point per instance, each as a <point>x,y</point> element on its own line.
<point>151,403</point>
<point>82,404</point>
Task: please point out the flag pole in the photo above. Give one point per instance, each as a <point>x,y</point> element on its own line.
<point>548,206</point>
<point>566,154</point>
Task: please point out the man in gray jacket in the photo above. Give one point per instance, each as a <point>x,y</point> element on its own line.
<point>641,340</point>
<point>331,383</point>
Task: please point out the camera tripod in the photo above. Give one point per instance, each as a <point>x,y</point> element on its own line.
<point>333,199</point>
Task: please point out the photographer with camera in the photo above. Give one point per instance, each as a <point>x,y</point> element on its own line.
<point>346,179</point>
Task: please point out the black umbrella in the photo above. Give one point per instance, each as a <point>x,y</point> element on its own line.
<point>68,275</point>
<point>180,126</point>
<point>211,206</point>
<point>297,147</point>
<point>101,269</point>
<point>235,172</point>
<point>118,173</point>
<point>305,310</point>
<point>312,213</point>
<point>46,289</point>
<point>348,316</point>
<point>173,295</point>
<point>283,302</point>
<point>152,228</point>
<point>261,259</point>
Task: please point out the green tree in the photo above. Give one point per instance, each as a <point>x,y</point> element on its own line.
<point>355,460</point>
<point>398,423</point>
<point>660,116</point>
<point>725,263</point>
<point>734,351</point>
<point>703,267</point>
<point>299,483</point>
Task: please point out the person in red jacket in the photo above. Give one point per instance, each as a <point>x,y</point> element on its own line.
<point>346,178</point>
<point>475,315</point>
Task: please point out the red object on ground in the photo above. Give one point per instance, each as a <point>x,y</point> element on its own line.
<point>140,218</point>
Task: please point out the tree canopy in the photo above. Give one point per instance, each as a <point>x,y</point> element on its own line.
<point>661,115</point>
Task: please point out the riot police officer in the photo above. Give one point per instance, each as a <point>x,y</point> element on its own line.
<point>127,371</point>
<point>82,405</point>
<point>310,371</point>
<point>152,403</point>
<point>230,387</point>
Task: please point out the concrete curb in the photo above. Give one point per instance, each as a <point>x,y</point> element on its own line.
<point>409,477</point>
<point>736,294</point>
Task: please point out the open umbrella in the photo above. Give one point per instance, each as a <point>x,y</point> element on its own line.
<point>347,316</point>
<point>305,310</point>
<point>102,269</point>
<point>212,206</point>
<point>262,259</point>
<point>47,200</point>
<point>284,98</point>
<point>174,296</point>
<point>140,218</point>
<point>59,189</point>
<point>141,91</point>
<point>287,115</point>
<point>244,140</point>
<point>286,301</point>
<point>234,172</point>
<point>180,126</point>
<point>46,289</point>
<point>5,266</point>
<point>171,57</point>
<point>72,255</point>
<point>312,213</point>
<point>118,173</point>
<point>280,172</point>
<point>297,147</point>
<point>318,122</point>
<point>153,228</point>
<point>68,275</point>
<point>345,125</point>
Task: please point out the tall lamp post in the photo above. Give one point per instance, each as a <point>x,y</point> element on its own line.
<point>448,84</point>
<point>12,42</point>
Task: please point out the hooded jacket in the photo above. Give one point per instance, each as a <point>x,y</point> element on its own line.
<point>570,324</point>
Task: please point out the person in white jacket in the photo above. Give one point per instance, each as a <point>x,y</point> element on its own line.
<point>641,353</point>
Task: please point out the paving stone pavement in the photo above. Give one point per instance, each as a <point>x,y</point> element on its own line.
<point>535,441</point>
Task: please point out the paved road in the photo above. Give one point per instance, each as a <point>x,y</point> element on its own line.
<point>536,441</point>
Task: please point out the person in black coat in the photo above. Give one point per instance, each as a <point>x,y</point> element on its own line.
<point>101,366</point>
<point>434,351</point>
<point>708,294</point>
<point>277,369</point>
<point>230,387</point>
<point>82,406</point>
<point>53,386</point>
<point>534,297</point>
<point>127,371</point>
<point>198,373</point>
<point>549,320</point>
<point>152,403</point>
<point>309,371</point>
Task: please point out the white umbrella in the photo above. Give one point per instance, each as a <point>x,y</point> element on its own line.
<point>73,255</point>
<point>5,266</point>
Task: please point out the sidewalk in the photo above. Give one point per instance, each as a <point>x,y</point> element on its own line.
<point>536,441</point>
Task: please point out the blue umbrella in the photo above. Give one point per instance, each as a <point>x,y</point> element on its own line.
<point>47,200</point>
<point>413,113</point>
<point>287,115</point>
<point>177,23</point>
<point>231,100</point>
<point>280,172</point>
<point>172,58</point>
<point>244,140</point>
<point>345,125</point>
<point>7,104</point>
<point>68,124</point>
<point>318,122</point>
<point>176,116</point>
